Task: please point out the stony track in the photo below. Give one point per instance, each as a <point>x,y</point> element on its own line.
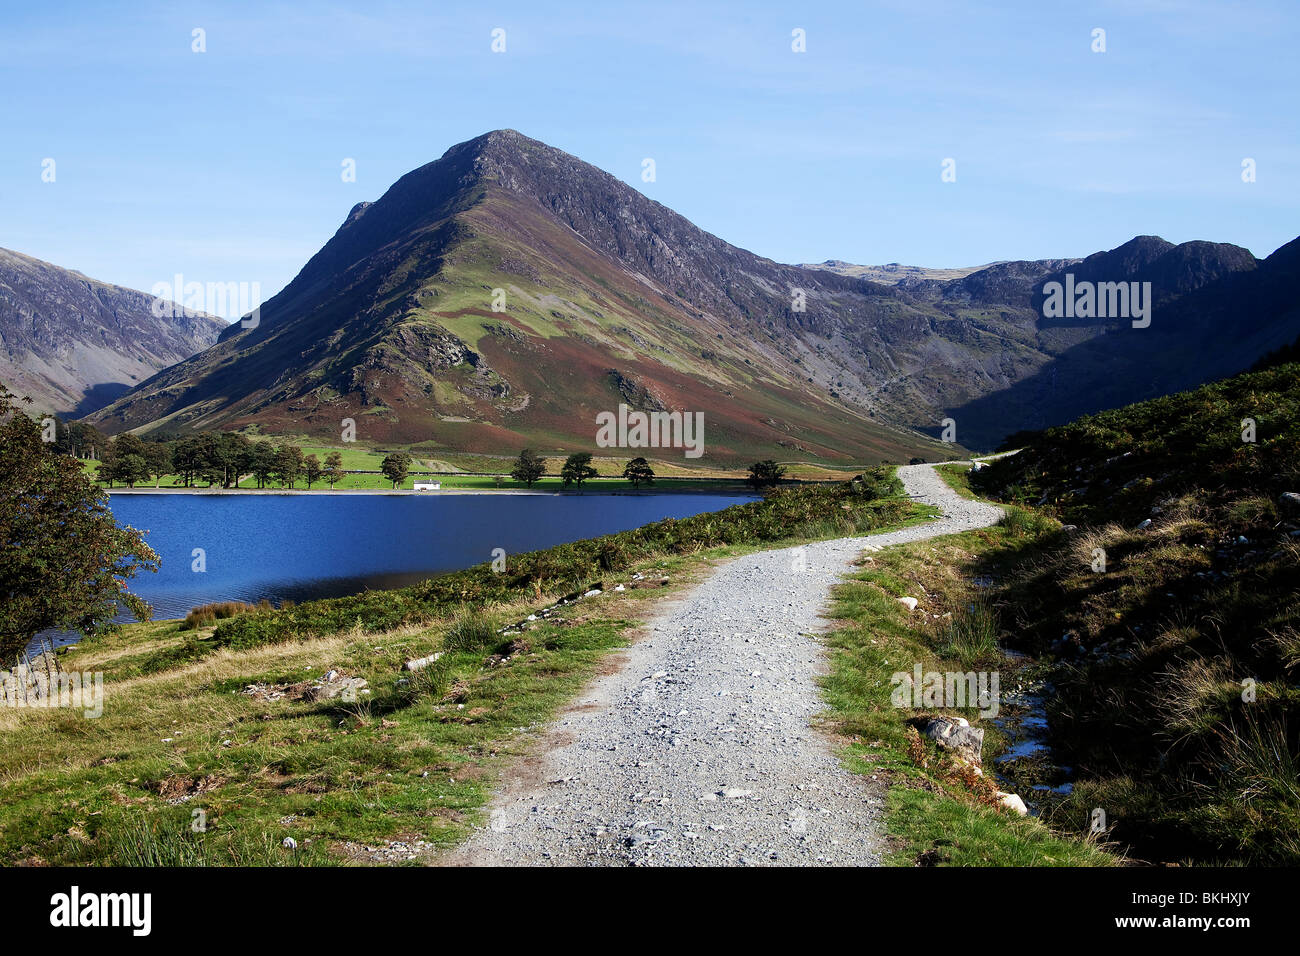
<point>700,749</point>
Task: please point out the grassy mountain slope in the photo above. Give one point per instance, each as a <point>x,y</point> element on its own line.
<point>1176,666</point>
<point>508,292</point>
<point>392,324</point>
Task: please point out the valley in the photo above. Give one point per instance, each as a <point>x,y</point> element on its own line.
<point>508,294</point>
<point>509,300</point>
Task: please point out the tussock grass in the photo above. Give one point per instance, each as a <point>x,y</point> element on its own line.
<point>206,615</point>
<point>970,635</point>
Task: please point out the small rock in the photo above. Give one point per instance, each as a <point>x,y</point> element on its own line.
<point>1013,803</point>
<point>421,662</point>
<point>908,602</point>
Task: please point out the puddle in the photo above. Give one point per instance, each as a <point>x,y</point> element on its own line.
<point>1026,765</point>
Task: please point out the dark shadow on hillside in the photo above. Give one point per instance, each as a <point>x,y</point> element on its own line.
<point>97,396</point>
<point>1118,368</point>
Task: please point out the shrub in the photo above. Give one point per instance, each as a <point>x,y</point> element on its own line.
<point>205,615</point>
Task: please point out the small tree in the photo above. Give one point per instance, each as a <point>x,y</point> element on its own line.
<point>212,468</point>
<point>395,467</point>
<point>765,473</point>
<point>577,469</point>
<point>288,464</point>
<point>187,459</point>
<point>130,468</point>
<point>65,561</point>
<point>333,468</point>
<point>529,467</point>
<point>638,471</point>
<point>232,455</point>
<point>158,460</point>
<point>311,470</point>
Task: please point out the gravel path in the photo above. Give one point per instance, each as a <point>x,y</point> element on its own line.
<point>698,749</point>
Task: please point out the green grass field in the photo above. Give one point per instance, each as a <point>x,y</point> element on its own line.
<point>477,472</point>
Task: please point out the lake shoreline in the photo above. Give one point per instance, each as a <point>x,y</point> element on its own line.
<point>279,545</point>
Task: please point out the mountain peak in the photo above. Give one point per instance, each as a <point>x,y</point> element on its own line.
<point>500,145</point>
<point>505,293</point>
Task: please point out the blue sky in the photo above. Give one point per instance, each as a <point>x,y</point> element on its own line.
<point>225,165</point>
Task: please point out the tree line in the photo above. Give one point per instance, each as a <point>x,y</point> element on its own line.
<point>217,459</point>
<point>577,468</point>
<point>223,458</point>
<point>530,467</point>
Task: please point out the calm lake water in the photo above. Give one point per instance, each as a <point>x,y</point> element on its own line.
<point>300,547</point>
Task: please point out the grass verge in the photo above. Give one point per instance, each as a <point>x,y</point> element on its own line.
<point>938,811</point>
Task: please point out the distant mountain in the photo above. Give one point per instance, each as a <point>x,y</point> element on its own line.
<point>508,292</point>
<point>1217,310</point>
<point>891,273</point>
<point>74,344</point>
<point>1002,283</point>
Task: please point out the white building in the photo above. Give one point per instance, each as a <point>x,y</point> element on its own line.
<point>428,485</point>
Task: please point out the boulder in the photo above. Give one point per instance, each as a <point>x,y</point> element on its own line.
<point>908,602</point>
<point>1290,500</point>
<point>339,687</point>
<point>955,735</point>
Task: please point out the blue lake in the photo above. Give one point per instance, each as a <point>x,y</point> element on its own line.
<point>300,547</point>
